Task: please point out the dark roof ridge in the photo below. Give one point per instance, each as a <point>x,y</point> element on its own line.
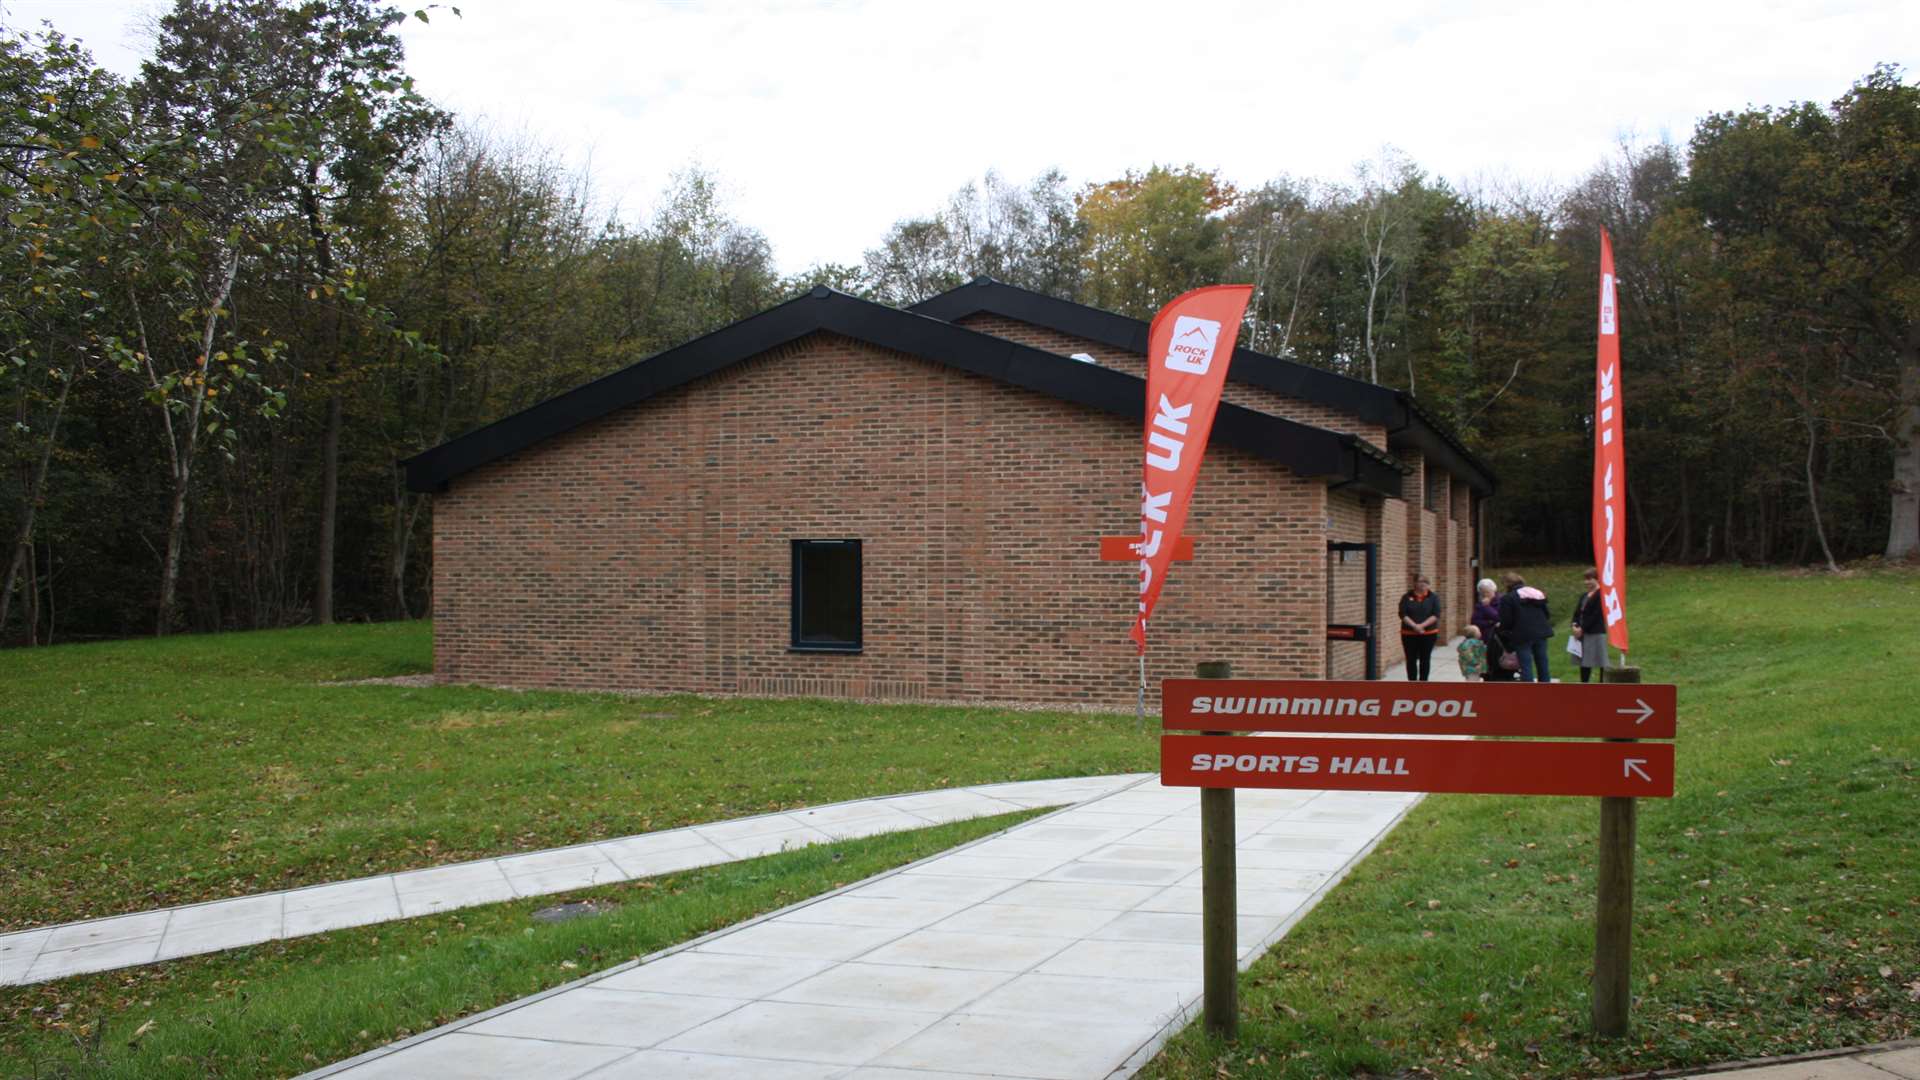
<point>1396,410</point>
<point>1307,450</point>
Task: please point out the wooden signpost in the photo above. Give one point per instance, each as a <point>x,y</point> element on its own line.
<point>1619,770</point>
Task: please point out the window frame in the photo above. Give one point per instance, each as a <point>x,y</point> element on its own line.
<point>795,643</point>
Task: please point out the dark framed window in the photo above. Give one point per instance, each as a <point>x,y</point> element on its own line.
<point>1436,490</point>
<point>826,595</point>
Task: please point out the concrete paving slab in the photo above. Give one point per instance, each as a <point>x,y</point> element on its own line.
<point>667,1065</point>
<point>717,975</point>
<point>565,878</point>
<point>1023,921</point>
<point>770,843</point>
<point>100,956</point>
<point>259,910</point>
<point>813,940</point>
<point>1076,894</point>
<point>990,866</point>
<point>980,952</point>
<point>1902,1063</point>
<point>640,864</point>
<point>817,1033</point>
<point>1112,873</point>
<point>463,1056</point>
<point>102,931</point>
<point>444,888</point>
<point>1075,997</point>
<point>1186,898</point>
<point>630,1018</point>
<point>19,951</point>
<point>213,938</point>
<point>319,920</point>
<point>917,886</point>
<point>879,911</point>
<point>1019,1046</point>
<point>1123,959</point>
<point>889,986</point>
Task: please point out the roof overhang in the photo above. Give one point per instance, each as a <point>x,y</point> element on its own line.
<point>1306,450</point>
<point>1409,426</point>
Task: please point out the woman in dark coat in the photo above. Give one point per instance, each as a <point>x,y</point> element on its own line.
<point>1590,627</point>
<point>1526,625</point>
<point>1486,616</point>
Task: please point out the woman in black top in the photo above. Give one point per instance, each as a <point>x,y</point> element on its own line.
<point>1419,628</point>
<point>1590,627</point>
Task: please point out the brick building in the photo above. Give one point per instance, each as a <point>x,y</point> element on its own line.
<point>839,498</point>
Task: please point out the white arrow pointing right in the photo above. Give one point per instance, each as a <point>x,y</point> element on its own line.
<point>1632,767</point>
<point>1639,715</point>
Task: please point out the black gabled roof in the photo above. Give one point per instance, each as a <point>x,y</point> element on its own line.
<point>1308,451</point>
<point>1407,423</point>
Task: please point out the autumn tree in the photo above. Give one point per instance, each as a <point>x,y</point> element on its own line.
<point>1818,209</point>
<point>1153,235</point>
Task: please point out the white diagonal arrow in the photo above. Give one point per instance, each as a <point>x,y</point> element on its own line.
<point>1645,710</point>
<point>1632,766</point>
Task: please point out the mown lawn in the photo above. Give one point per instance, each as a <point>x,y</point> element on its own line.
<point>289,1006</point>
<point>1778,892</point>
<point>143,774</point>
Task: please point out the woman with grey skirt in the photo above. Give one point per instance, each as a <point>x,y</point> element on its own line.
<point>1590,628</point>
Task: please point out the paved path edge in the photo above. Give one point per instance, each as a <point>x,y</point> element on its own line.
<point>1735,1068</point>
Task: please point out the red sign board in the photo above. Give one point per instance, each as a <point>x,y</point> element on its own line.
<point>1486,768</point>
<point>1566,710</point>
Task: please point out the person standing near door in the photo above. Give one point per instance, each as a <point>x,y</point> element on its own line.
<point>1419,628</point>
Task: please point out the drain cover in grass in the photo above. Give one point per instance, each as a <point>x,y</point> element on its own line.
<point>569,912</point>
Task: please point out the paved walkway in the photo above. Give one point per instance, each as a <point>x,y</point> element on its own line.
<point>1067,947</point>
<point>53,952</point>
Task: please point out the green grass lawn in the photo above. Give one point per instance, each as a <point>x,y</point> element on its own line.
<point>142,774</point>
<point>289,1006</point>
<point>1778,892</point>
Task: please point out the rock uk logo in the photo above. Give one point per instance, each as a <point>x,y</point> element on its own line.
<point>1192,347</point>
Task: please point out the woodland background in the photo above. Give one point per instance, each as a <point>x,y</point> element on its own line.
<point>236,290</point>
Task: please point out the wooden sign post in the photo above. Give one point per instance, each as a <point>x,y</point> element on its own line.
<point>1219,895</point>
<point>1619,769</point>
<point>1613,902</point>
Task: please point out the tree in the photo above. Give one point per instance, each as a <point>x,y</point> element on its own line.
<point>1279,234</point>
<point>346,117</point>
<point>1152,236</point>
<point>64,181</point>
<point>1818,210</point>
<point>1385,215</point>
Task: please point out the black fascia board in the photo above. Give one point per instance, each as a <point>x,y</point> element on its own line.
<point>1421,431</point>
<point>1394,409</point>
<point>1308,451</point>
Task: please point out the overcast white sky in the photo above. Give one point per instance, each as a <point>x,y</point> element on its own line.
<point>829,120</point>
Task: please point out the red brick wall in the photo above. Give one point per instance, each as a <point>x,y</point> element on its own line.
<point>651,549</point>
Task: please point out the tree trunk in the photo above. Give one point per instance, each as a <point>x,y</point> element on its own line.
<point>1903,533</point>
<point>330,452</point>
<point>30,503</point>
<point>184,445</point>
<point>329,504</point>
<point>176,534</point>
<point>1813,501</point>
